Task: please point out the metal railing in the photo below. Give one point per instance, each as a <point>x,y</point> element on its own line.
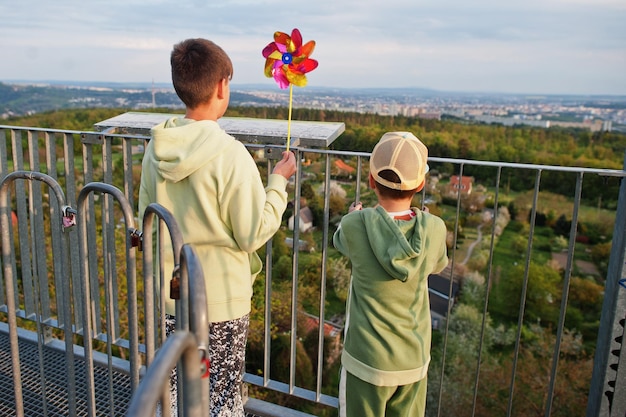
<point>74,159</point>
<point>41,294</point>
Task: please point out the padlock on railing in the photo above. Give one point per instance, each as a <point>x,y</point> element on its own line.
<point>205,364</point>
<point>136,239</point>
<point>69,216</point>
<point>175,284</point>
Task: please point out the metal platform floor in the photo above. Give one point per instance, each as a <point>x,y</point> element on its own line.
<point>53,372</point>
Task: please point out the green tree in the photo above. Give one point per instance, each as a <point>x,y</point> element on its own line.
<point>562,226</point>
<point>473,290</point>
<point>307,191</point>
<point>339,276</point>
<point>542,294</point>
<point>463,343</point>
<point>600,254</point>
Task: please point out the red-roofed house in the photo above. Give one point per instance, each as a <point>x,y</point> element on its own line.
<point>332,332</point>
<point>462,185</point>
<point>343,167</point>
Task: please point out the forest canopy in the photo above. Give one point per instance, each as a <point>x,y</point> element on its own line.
<point>446,138</point>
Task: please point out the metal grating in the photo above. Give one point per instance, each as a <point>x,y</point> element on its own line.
<point>54,372</point>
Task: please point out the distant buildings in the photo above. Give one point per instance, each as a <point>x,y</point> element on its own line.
<point>305,222</point>
<point>596,113</point>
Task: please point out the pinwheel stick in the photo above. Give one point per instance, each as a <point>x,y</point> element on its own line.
<point>289,117</point>
<point>287,60</point>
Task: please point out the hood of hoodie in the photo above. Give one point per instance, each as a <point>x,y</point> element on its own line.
<point>396,244</point>
<point>181,146</point>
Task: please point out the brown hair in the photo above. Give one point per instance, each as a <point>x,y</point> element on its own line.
<point>387,192</point>
<point>198,65</point>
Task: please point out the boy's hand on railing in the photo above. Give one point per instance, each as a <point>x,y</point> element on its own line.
<point>286,166</point>
<point>355,206</point>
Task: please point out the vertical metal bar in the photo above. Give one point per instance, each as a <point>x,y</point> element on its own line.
<point>267,325</point>
<point>38,287</point>
<point>4,170</point>
<point>520,320</point>
<point>55,229</point>
<point>67,322</point>
<point>609,356</point>
<point>90,238</point>
<point>40,269</point>
<point>163,281</point>
<point>198,313</point>
<point>22,226</point>
<point>445,338</point>
<point>359,167</point>
<point>108,263</point>
<point>566,281</point>
<point>70,193</point>
<point>83,196</point>
<point>11,290</point>
<point>109,243</point>
<point>4,163</point>
<point>162,295</point>
<point>294,288</point>
<point>149,287</point>
<point>127,152</point>
<point>131,290</point>
<point>487,289</point>
<point>321,334</point>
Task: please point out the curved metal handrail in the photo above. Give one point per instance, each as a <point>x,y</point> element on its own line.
<point>180,344</point>
<point>165,218</point>
<point>66,221</point>
<point>85,287</point>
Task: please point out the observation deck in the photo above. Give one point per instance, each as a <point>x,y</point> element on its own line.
<point>91,277</point>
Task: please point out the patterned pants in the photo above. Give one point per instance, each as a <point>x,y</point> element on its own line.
<point>227,349</point>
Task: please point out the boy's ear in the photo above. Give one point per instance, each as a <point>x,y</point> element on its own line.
<point>421,186</point>
<point>221,87</point>
<point>371,181</point>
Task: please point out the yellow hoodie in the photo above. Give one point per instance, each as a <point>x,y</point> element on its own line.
<point>211,185</point>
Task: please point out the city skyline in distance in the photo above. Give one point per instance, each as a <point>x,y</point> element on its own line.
<point>594,112</point>
<point>270,86</point>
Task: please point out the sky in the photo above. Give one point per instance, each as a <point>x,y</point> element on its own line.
<point>503,46</point>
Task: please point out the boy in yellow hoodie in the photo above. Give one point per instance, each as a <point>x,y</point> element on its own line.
<point>211,185</point>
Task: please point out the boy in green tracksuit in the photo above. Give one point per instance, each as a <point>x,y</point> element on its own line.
<point>393,248</point>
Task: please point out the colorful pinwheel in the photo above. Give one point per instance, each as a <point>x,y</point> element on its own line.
<point>287,61</point>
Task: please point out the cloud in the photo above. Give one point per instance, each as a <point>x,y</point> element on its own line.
<point>534,44</point>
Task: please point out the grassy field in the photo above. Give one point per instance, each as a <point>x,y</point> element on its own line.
<point>511,246</point>
<point>560,205</point>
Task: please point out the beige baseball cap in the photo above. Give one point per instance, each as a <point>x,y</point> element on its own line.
<point>405,155</point>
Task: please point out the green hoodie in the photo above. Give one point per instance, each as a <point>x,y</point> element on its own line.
<point>212,186</point>
<point>388,326</point>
